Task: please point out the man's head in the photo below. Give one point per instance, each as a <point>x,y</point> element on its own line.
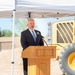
<point>31,24</point>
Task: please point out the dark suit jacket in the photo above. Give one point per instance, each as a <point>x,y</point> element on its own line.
<point>27,39</point>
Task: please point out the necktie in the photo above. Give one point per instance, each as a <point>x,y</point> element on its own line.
<point>33,34</point>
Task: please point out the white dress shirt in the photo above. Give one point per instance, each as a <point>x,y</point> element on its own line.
<point>33,31</point>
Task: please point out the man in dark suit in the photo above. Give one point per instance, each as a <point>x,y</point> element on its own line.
<point>30,37</point>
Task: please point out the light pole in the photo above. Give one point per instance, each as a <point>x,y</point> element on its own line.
<point>49,33</point>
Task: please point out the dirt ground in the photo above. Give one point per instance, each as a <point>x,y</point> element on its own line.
<point>6,66</point>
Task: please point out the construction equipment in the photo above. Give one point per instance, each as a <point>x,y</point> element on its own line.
<point>63,36</point>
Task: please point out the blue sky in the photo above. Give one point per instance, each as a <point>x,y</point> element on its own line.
<point>42,24</point>
<point>5,23</point>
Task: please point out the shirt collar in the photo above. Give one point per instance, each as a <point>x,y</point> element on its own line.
<point>31,30</point>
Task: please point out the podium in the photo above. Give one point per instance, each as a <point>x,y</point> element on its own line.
<point>39,59</point>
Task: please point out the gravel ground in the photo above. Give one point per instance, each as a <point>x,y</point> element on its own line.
<point>6,67</point>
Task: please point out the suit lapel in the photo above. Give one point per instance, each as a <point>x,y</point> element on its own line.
<point>30,35</point>
<point>37,38</point>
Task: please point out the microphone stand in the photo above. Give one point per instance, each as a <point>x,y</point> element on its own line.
<point>45,42</point>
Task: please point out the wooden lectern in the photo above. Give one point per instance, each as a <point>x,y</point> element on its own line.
<point>39,59</point>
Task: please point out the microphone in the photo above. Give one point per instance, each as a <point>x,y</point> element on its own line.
<point>44,41</point>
